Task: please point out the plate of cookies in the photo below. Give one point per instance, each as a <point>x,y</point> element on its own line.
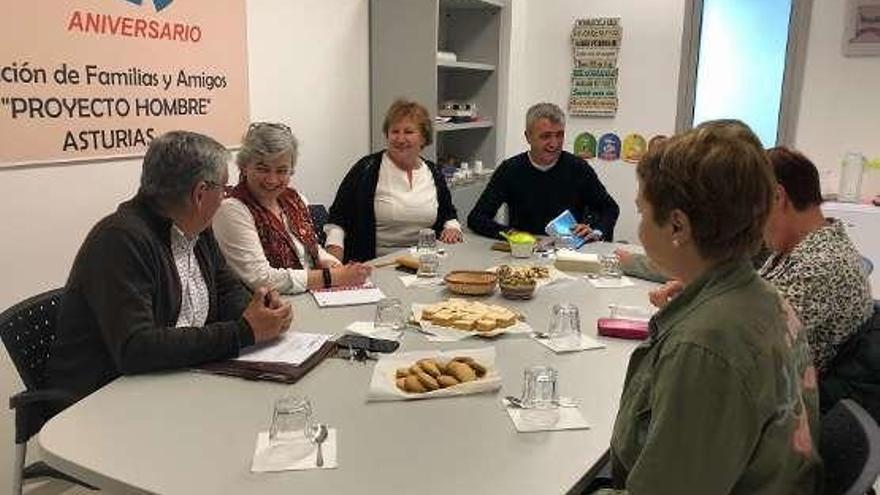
<point>429,374</point>
<point>456,319</point>
<point>526,274</point>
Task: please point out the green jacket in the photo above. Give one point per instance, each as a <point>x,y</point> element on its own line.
<point>721,399</point>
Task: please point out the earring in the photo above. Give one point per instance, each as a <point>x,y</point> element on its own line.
<point>676,243</point>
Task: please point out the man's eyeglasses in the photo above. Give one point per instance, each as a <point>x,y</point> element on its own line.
<point>274,125</point>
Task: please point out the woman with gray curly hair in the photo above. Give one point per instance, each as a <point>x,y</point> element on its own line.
<point>264,227</point>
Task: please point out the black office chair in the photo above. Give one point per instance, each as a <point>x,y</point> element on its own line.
<point>27,330</point>
<point>319,218</point>
<point>850,449</point>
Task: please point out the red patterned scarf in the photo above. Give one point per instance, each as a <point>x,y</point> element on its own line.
<point>276,242</point>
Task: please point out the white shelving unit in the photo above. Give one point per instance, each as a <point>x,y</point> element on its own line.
<point>405,36</point>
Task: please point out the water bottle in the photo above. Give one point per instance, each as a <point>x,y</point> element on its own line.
<point>851,170</point>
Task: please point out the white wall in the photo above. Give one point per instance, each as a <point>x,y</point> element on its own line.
<point>840,102</point>
<point>647,86</point>
<point>309,67</point>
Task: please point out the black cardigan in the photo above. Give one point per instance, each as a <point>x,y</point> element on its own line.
<point>121,303</point>
<point>353,208</point>
<point>535,197</point>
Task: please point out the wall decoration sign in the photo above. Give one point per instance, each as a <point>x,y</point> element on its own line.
<point>609,147</point>
<point>585,145</point>
<point>595,44</point>
<point>87,79</point>
<point>861,33</point>
<point>634,148</point>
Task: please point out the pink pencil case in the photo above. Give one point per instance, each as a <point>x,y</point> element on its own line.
<point>622,328</point>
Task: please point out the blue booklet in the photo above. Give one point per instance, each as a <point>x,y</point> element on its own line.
<point>562,226</point>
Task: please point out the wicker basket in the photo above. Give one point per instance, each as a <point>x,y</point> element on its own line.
<point>471,283</point>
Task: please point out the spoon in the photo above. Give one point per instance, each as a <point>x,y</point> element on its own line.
<point>321,433</point>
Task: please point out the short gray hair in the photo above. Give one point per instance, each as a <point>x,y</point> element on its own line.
<point>266,139</point>
<point>178,160</point>
<point>549,111</point>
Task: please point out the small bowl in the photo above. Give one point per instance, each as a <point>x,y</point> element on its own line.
<point>471,283</point>
<point>519,291</point>
<point>521,249</point>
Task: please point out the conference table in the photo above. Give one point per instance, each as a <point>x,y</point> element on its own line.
<point>183,432</point>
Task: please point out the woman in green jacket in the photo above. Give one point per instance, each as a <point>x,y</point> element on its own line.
<point>721,399</point>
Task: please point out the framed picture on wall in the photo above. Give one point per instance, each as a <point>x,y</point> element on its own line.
<point>861,33</point>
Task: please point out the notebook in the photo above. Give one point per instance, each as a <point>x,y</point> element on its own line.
<point>347,296</point>
<point>562,226</point>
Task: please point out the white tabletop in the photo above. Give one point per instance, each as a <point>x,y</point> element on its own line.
<point>184,432</point>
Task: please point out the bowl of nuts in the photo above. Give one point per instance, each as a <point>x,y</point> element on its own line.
<point>516,282</point>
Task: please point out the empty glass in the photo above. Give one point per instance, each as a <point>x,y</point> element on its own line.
<point>539,395</point>
<point>389,314</point>
<point>565,326</point>
<point>291,429</point>
<point>429,265</point>
<point>427,241</point>
<point>610,266</point>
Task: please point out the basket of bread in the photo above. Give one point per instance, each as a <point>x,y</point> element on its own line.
<point>428,374</point>
<point>471,283</point>
<point>460,318</point>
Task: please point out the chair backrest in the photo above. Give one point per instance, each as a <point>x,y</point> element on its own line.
<point>319,216</point>
<point>28,330</point>
<point>850,449</point>
<point>868,265</point>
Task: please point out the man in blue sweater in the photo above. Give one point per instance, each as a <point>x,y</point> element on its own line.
<point>543,182</point>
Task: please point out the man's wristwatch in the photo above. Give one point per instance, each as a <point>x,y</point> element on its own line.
<point>328,280</point>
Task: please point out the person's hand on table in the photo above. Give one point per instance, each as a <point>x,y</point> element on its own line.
<point>661,296</point>
<point>268,315</point>
<point>451,236</point>
<point>331,263</point>
<point>352,274</point>
<point>624,256</point>
<point>337,251</point>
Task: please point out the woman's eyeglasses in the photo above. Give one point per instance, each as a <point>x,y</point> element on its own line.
<point>274,125</point>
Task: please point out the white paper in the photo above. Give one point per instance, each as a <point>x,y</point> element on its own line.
<point>292,348</point>
<point>416,281</point>
<point>268,458</point>
<point>586,344</point>
<point>368,329</point>
<point>383,384</point>
<point>437,333</point>
<point>610,283</point>
<point>347,296</point>
<point>570,418</point>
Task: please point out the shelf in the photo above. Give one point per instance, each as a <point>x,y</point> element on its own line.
<point>472,4</point>
<point>448,126</point>
<point>475,66</point>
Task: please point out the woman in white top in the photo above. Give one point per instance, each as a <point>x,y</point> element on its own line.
<point>387,197</point>
<point>264,228</point>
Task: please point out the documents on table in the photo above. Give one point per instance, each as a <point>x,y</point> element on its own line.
<point>347,296</point>
<point>292,347</point>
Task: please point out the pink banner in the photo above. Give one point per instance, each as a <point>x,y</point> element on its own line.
<point>86,79</point>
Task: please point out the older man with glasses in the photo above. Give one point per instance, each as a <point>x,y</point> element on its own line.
<point>149,289</point>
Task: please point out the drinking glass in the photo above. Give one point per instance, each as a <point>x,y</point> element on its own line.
<point>291,428</point>
<point>610,266</point>
<point>539,395</point>
<point>429,265</point>
<point>427,241</point>
<point>389,314</point>
<point>565,326</point>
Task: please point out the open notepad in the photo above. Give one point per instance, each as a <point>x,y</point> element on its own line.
<point>347,296</point>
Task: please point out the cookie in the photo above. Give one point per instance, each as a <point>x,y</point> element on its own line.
<point>447,381</point>
<point>412,384</point>
<point>430,367</point>
<point>461,371</point>
<point>427,381</point>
